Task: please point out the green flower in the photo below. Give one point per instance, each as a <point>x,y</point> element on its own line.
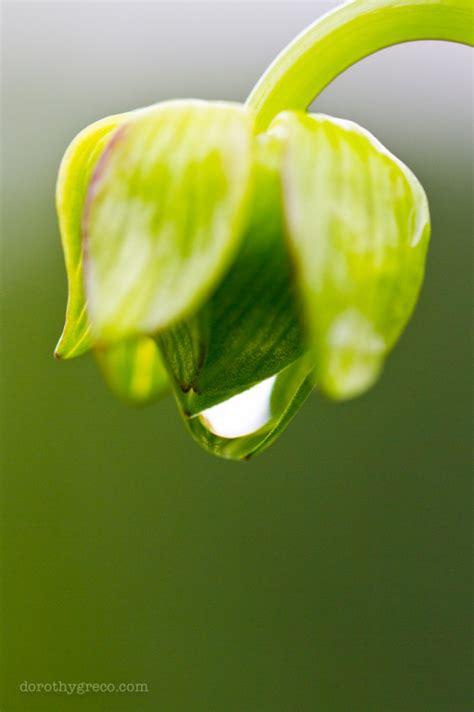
<point>241,255</point>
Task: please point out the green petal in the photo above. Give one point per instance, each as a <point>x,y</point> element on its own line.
<point>249,330</point>
<point>165,213</point>
<point>184,348</point>
<point>75,173</point>
<point>358,229</point>
<point>134,370</point>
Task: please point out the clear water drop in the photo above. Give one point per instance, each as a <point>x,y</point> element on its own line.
<point>242,414</point>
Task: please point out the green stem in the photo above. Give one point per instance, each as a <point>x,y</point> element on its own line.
<point>342,37</point>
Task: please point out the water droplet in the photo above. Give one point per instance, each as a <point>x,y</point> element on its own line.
<point>242,414</point>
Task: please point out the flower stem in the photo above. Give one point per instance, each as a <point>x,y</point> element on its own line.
<point>342,37</point>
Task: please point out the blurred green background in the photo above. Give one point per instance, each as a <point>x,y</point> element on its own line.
<point>332,573</point>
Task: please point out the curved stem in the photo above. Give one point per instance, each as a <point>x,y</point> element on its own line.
<point>342,37</point>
